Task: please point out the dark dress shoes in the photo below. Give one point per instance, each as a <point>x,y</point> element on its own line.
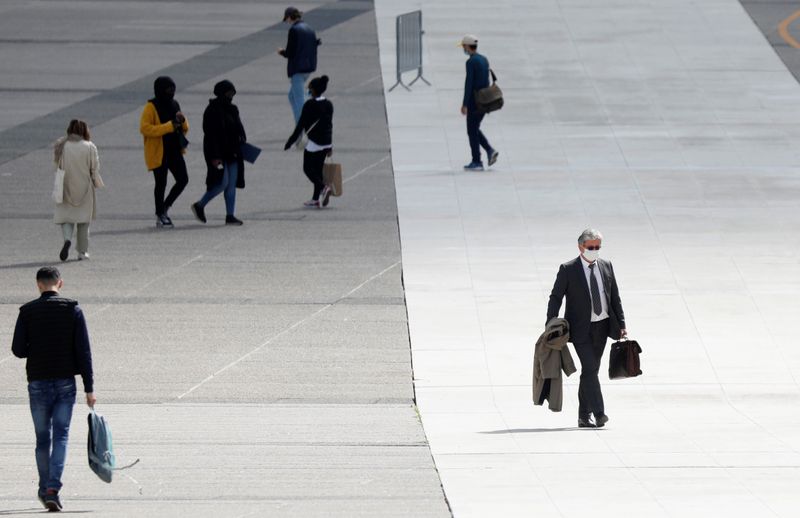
<point>585,423</point>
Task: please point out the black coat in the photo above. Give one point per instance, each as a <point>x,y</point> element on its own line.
<point>571,282</point>
<point>223,136</point>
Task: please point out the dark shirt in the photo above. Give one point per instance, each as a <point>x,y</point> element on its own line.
<point>301,49</point>
<point>477,78</point>
<point>51,333</point>
<point>317,121</point>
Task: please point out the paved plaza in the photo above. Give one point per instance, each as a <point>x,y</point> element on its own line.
<point>671,126</point>
<point>263,370</point>
<point>374,359</point>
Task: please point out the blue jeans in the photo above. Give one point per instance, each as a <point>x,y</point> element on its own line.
<point>51,408</point>
<point>476,138</point>
<point>297,94</point>
<point>228,184</point>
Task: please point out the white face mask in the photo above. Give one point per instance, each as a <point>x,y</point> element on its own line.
<point>591,255</point>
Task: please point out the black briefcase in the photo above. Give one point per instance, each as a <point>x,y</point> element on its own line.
<point>624,360</point>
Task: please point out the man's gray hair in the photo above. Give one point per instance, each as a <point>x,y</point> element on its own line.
<point>589,234</point>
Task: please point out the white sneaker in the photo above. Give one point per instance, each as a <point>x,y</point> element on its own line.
<point>311,204</point>
<point>83,255</point>
<point>325,196</point>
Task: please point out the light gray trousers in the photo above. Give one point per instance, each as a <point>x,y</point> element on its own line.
<point>68,229</point>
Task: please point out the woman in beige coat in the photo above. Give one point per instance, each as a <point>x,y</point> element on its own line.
<point>77,156</point>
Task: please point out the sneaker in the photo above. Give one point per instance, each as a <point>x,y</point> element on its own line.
<point>83,255</point>
<point>474,166</point>
<point>493,156</point>
<point>311,204</point>
<point>585,422</point>
<point>163,221</point>
<point>41,496</point>
<point>52,502</point>
<point>325,197</point>
<point>65,250</point>
<point>231,220</point>
<point>199,212</point>
<point>600,420</point>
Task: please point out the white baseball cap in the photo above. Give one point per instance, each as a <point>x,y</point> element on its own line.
<point>469,39</point>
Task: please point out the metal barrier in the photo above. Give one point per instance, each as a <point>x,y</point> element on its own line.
<point>409,47</point>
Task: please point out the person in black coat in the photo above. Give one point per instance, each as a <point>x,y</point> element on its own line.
<point>594,312</point>
<point>317,121</point>
<point>223,136</point>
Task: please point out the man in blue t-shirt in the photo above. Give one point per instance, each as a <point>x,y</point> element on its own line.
<point>477,78</point>
<point>301,53</point>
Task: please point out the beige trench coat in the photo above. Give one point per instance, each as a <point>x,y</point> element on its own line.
<point>550,357</point>
<point>80,161</point>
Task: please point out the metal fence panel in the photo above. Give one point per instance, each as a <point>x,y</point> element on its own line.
<point>409,46</point>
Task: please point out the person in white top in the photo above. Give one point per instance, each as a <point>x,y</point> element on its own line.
<point>77,156</point>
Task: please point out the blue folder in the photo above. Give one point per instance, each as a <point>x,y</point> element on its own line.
<point>250,152</point>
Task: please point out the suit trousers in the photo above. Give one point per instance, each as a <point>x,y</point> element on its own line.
<point>590,397</point>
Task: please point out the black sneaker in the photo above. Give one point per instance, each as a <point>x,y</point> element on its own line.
<point>65,250</point>
<point>41,496</point>
<point>474,166</point>
<point>163,221</point>
<point>52,502</point>
<point>493,157</point>
<point>199,212</point>
<point>231,220</point>
<point>600,420</point>
<point>585,423</point>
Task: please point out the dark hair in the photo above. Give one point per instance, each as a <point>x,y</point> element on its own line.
<point>79,127</point>
<point>318,85</point>
<point>223,87</point>
<point>48,275</point>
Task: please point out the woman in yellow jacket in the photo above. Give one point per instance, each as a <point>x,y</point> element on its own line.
<point>164,145</point>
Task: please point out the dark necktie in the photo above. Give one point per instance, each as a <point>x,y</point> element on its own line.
<point>597,306</point>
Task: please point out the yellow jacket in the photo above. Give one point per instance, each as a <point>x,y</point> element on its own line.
<point>150,126</point>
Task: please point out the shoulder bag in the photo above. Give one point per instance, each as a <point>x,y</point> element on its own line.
<point>489,99</point>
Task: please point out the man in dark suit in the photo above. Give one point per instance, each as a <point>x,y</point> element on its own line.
<point>594,312</point>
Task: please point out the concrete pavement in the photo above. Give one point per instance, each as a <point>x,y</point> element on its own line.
<point>671,126</point>
<point>255,371</point>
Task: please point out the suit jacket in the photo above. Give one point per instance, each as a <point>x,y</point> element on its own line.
<point>571,282</point>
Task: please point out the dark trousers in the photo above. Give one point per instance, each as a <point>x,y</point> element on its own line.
<point>312,166</point>
<point>590,397</point>
<point>177,167</point>
<point>477,140</point>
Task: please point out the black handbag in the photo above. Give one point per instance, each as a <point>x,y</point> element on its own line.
<point>489,99</point>
<point>624,360</point>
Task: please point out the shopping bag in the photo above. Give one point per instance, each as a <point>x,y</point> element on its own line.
<point>332,175</point>
<point>58,186</point>
<point>624,359</point>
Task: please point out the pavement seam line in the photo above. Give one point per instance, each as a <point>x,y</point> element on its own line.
<point>364,170</point>
<point>285,331</point>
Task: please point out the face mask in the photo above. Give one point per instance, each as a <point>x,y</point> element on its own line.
<point>591,255</point>
<point>466,52</point>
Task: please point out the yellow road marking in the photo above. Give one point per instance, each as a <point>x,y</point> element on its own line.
<point>783,30</point>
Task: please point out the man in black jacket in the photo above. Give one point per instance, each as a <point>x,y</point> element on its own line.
<point>51,333</point>
<point>301,53</point>
<point>594,312</point>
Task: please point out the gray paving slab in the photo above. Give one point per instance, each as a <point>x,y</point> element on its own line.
<point>256,371</point>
